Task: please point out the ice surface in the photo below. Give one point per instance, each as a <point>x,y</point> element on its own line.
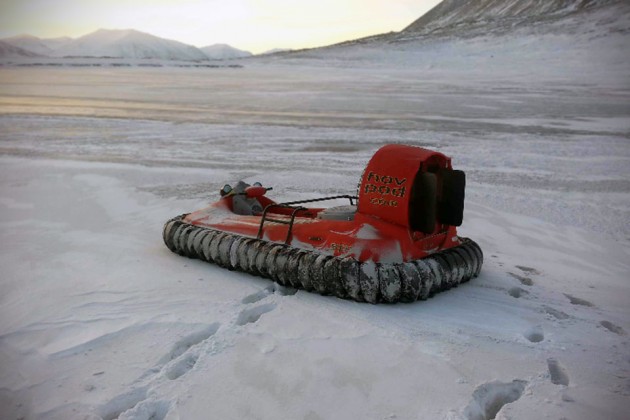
<point>98,319</point>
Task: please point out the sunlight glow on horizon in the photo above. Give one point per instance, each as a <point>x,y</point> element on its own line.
<point>252,25</point>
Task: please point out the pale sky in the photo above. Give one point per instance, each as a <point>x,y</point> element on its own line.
<point>254,25</point>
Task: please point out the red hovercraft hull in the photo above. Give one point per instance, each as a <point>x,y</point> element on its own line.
<point>398,244</point>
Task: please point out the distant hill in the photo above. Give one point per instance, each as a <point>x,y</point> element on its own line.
<point>56,43</point>
<point>457,14</point>
<point>572,41</point>
<point>11,51</point>
<point>29,43</point>
<point>224,52</point>
<point>276,50</point>
<point>128,43</point>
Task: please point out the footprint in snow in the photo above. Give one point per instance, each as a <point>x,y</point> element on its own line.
<point>613,327</point>
<point>184,344</point>
<point>251,315</point>
<point>578,301</point>
<point>528,270</point>
<point>558,373</point>
<point>517,292</point>
<point>554,312</point>
<point>260,295</point>
<point>284,290</point>
<point>525,281</point>
<point>274,288</point>
<point>121,403</point>
<point>182,366</point>
<point>150,410</point>
<point>534,334</point>
<point>489,398</point>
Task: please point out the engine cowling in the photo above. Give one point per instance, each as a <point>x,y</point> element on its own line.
<point>412,187</point>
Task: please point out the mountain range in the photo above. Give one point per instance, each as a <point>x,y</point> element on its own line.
<point>450,18</point>
<point>115,43</point>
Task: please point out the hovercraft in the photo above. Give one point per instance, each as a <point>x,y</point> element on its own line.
<point>396,242</point>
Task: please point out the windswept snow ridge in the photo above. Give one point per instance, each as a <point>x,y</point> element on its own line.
<point>455,15</point>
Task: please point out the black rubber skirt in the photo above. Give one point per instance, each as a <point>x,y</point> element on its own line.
<point>310,270</point>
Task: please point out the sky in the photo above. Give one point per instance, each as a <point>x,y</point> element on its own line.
<point>253,25</point>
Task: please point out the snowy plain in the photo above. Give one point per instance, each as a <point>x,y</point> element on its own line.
<point>98,319</point>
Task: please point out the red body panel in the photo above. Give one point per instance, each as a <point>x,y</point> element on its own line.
<point>380,230</point>
<point>386,186</point>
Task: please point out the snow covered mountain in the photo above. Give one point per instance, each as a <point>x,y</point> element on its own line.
<point>564,32</point>
<point>29,43</point>
<point>224,52</point>
<point>129,43</point>
<point>119,44</point>
<point>56,43</point>
<point>456,15</point>
<point>8,50</point>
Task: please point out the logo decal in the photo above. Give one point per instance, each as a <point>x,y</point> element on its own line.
<point>386,188</point>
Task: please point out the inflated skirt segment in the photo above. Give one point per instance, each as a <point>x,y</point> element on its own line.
<point>343,277</point>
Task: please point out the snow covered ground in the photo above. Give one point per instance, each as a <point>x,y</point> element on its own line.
<point>98,319</point>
